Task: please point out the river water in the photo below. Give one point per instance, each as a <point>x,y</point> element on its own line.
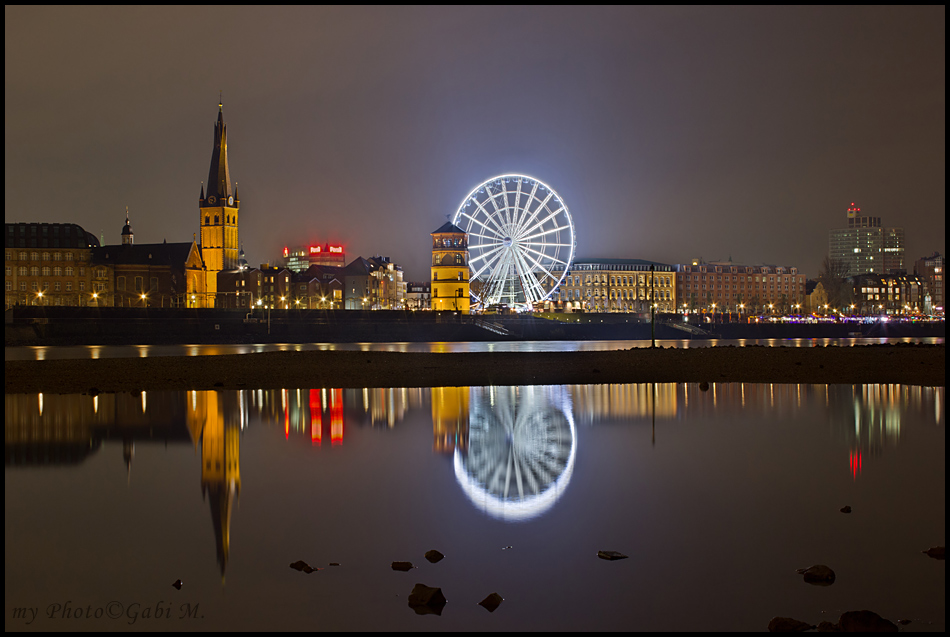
<point>716,496</point>
<point>144,351</point>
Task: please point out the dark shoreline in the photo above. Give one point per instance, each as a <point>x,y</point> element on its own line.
<point>904,364</point>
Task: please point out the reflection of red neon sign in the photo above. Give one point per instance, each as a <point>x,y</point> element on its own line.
<point>315,249</point>
<point>854,463</point>
<point>336,249</point>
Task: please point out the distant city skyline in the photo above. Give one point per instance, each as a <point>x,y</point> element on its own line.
<point>671,133</point>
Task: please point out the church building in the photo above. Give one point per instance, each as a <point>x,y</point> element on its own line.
<point>218,213</point>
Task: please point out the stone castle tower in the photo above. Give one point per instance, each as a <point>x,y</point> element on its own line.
<point>218,211</point>
<point>450,284</point>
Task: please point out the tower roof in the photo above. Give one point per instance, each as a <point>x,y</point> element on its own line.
<point>448,226</point>
<point>219,177</point>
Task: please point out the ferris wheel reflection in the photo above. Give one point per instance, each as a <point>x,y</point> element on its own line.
<point>521,449</point>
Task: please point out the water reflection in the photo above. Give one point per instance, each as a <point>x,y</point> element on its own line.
<point>512,449</point>
<point>521,450</point>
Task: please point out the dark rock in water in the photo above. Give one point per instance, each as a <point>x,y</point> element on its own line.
<point>300,565</point>
<point>818,574</point>
<point>426,600</point>
<point>846,509</point>
<point>611,555</point>
<point>491,602</point>
<point>434,556</point>
<point>828,627</point>
<point>178,583</point>
<point>704,386</point>
<point>788,625</point>
<point>402,566</point>
<point>865,621</point>
<point>936,552</point>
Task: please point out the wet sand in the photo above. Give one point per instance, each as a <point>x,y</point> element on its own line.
<point>906,364</point>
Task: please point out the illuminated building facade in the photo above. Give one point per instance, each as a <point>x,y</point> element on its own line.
<point>931,271</point>
<point>618,285</point>
<point>744,289</point>
<point>450,273</point>
<point>49,258</point>
<point>300,258</point>
<point>864,246</point>
<point>888,294</point>
<point>218,213</point>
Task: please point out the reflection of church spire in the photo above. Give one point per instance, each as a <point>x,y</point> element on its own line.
<point>220,464</point>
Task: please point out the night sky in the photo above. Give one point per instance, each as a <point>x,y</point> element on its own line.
<point>671,133</point>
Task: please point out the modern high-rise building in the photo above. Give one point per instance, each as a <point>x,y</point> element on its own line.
<point>218,211</point>
<point>865,247</point>
<point>300,258</point>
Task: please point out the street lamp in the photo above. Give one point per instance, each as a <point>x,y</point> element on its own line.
<point>95,297</point>
<point>142,296</point>
<point>39,297</point>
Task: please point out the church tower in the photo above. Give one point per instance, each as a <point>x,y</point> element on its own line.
<point>218,211</point>
<point>450,285</point>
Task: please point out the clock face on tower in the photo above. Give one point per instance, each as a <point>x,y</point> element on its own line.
<point>211,199</point>
<point>230,201</point>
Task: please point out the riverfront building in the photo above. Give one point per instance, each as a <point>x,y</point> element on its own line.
<point>450,274</point>
<point>618,285</point>
<point>48,264</point>
<point>724,286</point>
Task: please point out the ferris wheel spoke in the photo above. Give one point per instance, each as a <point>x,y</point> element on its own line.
<point>527,205</point>
<point>486,266</point>
<point>474,220</point>
<point>493,239</point>
<point>541,267</point>
<point>548,256</point>
<point>541,206</point>
<point>542,234</point>
<point>527,279</point>
<point>545,220</point>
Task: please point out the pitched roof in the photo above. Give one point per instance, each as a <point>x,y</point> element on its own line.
<point>448,226</point>
<point>171,254</point>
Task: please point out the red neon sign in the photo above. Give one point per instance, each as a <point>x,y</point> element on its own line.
<point>315,249</point>
<point>336,249</point>
<point>286,252</point>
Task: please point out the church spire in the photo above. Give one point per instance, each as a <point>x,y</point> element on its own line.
<point>219,178</point>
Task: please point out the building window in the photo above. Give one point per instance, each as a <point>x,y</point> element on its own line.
<point>35,286</point>
<point>138,284</point>
<point>216,220</point>
<point>56,286</point>
<point>57,256</point>
<point>34,270</point>
<point>69,256</point>
<point>207,220</point>
<point>69,271</point>
<point>82,286</point>
<point>69,286</point>
<point>46,256</point>
<point>57,271</point>
<point>23,256</point>
<point>120,283</point>
<point>153,283</point>
<point>22,286</point>
<point>34,256</point>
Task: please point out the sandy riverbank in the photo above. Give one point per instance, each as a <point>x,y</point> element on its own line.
<point>907,364</point>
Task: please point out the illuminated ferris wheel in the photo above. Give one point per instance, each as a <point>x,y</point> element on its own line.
<point>520,240</point>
